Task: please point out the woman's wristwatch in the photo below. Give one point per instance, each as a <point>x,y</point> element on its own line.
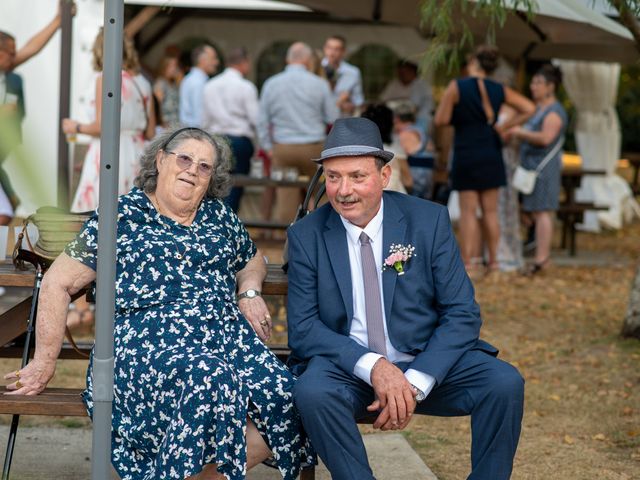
<point>251,293</point>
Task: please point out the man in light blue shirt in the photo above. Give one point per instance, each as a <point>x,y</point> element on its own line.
<point>345,78</point>
<point>205,62</point>
<point>408,86</point>
<point>295,108</point>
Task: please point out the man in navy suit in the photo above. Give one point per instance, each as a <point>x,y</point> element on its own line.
<point>388,342</point>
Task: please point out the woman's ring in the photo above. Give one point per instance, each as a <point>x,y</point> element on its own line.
<point>17,373</point>
<point>18,385</point>
<point>267,317</point>
<point>264,323</point>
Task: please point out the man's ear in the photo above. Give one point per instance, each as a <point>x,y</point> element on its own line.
<point>386,175</point>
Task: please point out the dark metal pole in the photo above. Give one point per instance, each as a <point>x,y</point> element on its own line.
<point>64,105</point>
<point>107,227</point>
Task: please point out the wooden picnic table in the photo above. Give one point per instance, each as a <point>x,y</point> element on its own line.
<point>634,162</point>
<point>247,181</point>
<point>570,211</point>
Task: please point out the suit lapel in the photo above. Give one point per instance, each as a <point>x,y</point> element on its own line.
<point>393,231</point>
<point>335,238</point>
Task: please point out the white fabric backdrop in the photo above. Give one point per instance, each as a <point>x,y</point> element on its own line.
<point>592,88</point>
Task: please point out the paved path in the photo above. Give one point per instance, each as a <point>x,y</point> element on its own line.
<point>48,453</point>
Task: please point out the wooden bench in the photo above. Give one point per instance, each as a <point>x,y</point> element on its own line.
<point>570,211</point>
<point>570,215</point>
<point>634,162</point>
<point>67,401</point>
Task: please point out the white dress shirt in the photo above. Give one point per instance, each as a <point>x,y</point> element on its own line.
<point>358,332</point>
<point>230,105</point>
<point>3,87</point>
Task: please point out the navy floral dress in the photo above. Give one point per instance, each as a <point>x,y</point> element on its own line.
<point>189,368</point>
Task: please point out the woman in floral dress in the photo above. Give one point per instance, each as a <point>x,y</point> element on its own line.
<point>197,394</point>
<point>136,124</point>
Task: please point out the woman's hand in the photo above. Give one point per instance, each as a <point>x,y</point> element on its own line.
<point>257,314</point>
<point>32,379</point>
<point>69,126</point>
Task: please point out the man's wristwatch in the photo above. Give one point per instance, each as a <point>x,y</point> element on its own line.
<point>420,394</point>
<point>251,293</point>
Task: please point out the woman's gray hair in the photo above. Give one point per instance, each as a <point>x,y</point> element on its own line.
<point>220,183</point>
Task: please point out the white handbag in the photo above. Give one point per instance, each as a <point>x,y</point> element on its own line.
<point>525,180</point>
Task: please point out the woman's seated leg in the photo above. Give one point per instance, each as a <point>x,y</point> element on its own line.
<point>257,452</point>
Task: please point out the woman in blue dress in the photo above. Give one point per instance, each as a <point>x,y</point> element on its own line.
<point>471,105</point>
<point>539,137</point>
<point>197,394</point>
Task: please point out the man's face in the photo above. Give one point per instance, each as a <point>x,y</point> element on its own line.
<point>209,61</point>
<point>333,51</point>
<point>7,55</point>
<point>354,187</point>
<point>406,75</point>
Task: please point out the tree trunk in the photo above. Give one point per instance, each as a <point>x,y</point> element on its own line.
<point>631,326</point>
<point>628,17</point>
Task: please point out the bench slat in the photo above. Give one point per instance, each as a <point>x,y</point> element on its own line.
<point>53,401</point>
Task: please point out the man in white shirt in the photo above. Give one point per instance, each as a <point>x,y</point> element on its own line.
<point>345,79</point>
<point>408,86</point>
<point>205,63</point>
<point>230,108</point>
<point>382,318</point>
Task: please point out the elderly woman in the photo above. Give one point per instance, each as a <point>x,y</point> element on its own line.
<point>197,393</point>
<point>540,136</point>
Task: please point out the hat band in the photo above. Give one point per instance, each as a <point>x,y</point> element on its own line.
<point>348,150</point>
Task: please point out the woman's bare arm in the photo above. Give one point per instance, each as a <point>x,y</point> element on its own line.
<point>40,39</point>
<point>254,309</point>
<point>551,127</point>
<point>64,278</point>
<point>445,107</point>
<point>523,107</point>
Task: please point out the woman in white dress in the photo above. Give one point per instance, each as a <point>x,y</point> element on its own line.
<point>136,124</point>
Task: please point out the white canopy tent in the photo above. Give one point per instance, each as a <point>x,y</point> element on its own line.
<point>561,28</point>
<point>592,88</point>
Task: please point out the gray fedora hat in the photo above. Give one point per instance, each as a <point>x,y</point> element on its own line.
<point>354,137</point>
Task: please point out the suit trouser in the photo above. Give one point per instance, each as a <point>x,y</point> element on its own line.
<point>301,157</point>
<point>480,385</point>
<point>242,150</point>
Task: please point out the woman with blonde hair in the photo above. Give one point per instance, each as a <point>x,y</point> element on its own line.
<point>136,124</point>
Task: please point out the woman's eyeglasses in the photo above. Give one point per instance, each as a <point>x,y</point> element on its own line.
<point>184,162</point>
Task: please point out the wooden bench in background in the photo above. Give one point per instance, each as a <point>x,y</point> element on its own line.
<point>570,211</point>
<point>267,184</point>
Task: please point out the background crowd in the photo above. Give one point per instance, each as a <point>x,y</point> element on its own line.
<point>495,128</point>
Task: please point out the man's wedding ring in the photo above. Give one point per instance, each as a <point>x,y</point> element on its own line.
<point>18,385</point>
<point>17,373</point>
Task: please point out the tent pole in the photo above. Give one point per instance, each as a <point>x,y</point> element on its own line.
<point>63,110</point>
<point>106,270</point>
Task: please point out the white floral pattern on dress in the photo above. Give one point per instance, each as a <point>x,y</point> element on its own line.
<point>189,368</point>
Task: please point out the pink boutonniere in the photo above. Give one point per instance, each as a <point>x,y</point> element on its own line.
<point>398,256</point>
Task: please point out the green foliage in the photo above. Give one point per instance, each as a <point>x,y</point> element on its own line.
<point>378,65</point>
<point>451,35</point>
<point>628,107</point>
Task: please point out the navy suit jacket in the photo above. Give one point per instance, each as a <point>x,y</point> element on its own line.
<point>430,310</point>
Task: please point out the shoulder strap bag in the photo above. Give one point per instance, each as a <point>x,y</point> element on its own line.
<point>525,180</point>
